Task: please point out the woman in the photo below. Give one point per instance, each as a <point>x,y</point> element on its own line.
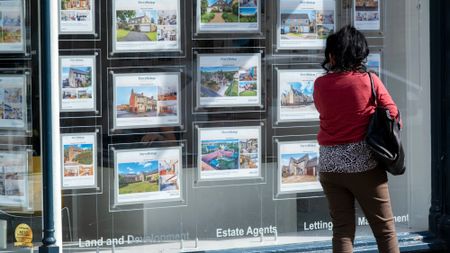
<point>348,170</point>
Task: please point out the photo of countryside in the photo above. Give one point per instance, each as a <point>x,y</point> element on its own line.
<point>78,160</point>
<point>229,11</point>
<point>138,177</point>
<point>220,155</point>
<point>297,95</point>
<point>10,26</point>
<point>299,168</point>
<point>146,25</point>
<point>306,24</point>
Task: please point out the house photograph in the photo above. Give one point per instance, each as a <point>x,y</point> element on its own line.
<point>298,24</point>
<point>219,11</point>
<point>299,168</point>
<point>137,25</point>
<point>137,102</point>
<point>297,94</point>
<point>76,77</point>
<point>138,177</point>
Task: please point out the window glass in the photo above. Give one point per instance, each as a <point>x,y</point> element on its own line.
<point>191,125</point>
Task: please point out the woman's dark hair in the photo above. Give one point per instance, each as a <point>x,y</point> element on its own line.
<point>349,50</point>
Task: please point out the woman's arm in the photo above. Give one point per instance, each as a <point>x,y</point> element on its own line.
<point>384,99</point>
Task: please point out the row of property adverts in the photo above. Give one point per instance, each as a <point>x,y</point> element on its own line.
<point>155,174</point>
<point>223,154</point>
<point>145,100</point>
<point>155,25</point>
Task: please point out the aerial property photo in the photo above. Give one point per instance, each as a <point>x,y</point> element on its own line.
<point>220,155</point>
<point>228,81</point>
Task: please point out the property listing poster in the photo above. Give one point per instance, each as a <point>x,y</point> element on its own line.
<point>80,160</point>
<point>12,27</point>
<point>297,167</point>
<point>152,174</point>
<point>228,15</point>
<point>76,16</point>
<point>146,25</point>
<point>305,24</point>
<point>13,179</point>
<point>229,80</point>
<point>295,95</point>
<point>374,63</point>
<point>146,100</point>
<point>229,153</point>
<point>367,14</point>
<point>78,83</point>
<point>13,106</point>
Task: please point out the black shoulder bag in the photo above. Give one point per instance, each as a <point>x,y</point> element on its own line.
<point>383,138</point>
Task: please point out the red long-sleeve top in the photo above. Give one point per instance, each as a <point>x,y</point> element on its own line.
<point>345,106</point>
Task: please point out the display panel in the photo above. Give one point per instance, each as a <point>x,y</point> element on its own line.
<point>142,26</point>
<point>229,153</point>
<point>374,63</point>
<point>143,175</point>
<point>229,80</point>
<point>221,16</point>
<point>79,163</point>
<point>13,102</point>
<point>12,26</point>
<point>143,100</point>
<point>78,83</point>
<point>305,24</point>
<point>367,14</point>
<point>298,167</point>
<point>76,17</point>
<point>295,95</point>
<point>14,179</point>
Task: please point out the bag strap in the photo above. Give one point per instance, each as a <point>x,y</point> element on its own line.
<point>372,85</point>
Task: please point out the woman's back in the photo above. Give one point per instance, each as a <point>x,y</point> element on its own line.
<point>344,102</point>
